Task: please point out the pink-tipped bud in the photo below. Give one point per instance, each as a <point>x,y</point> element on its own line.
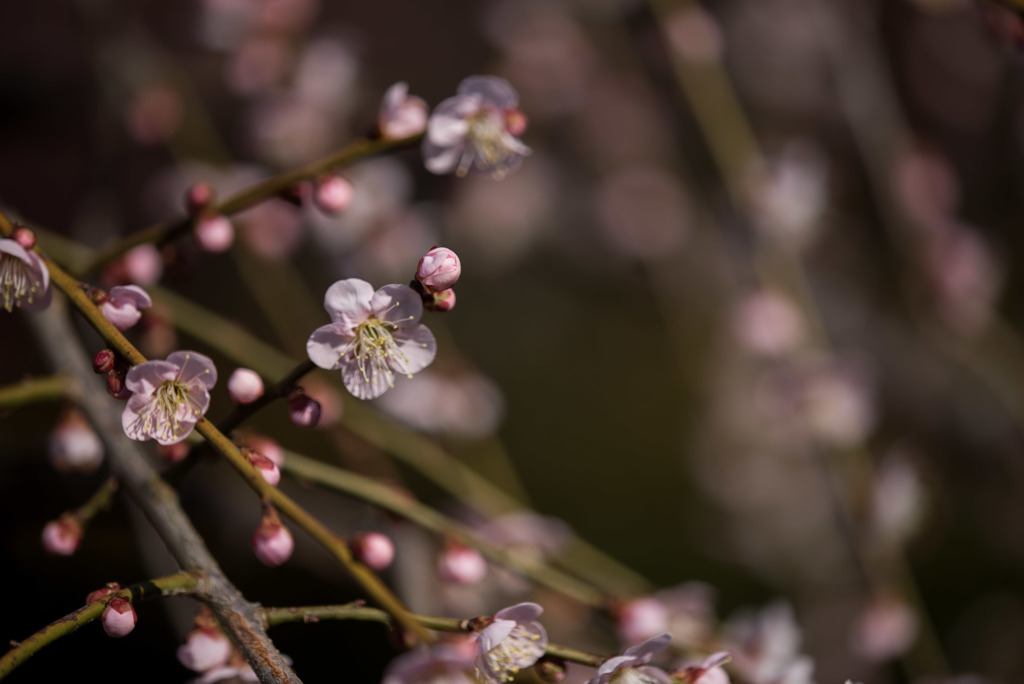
<point>115,384</point>
<point>204,650</point>
<point>439,269</point>
<point>265,446</point>
<point>198,198</point>
<point>462,565</point>
<point>272,542</point>
<point>515,122</point>
<point>214,233</point>
<point>374,549</point>
<point>24,237</point>
<point>333,194</point>
<point>245,386</point>
<point>100,593</point>
<point>62,536</point>
<point>103,362</point>
<point>73,444</point>
<point>641,619</point>
<point>173,453</point>
<point>119,618</point>
<point>303,410</point>
<point>268,469</point>
<point>439,302</point>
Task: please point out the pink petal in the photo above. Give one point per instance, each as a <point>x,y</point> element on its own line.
<point>397,304</point>
<point>146,377</point>
<point>418,348</point>
<point>194,367</point>
<point>348,301</point>
<point>327,343</point>
<point>491,89</point>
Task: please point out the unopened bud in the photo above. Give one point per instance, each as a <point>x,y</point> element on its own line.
<point>640,619</point>
<point>115,384</point>
<point>272,542</point>
<point>62,536</point>
<point>103,362</point>
<point>462,565</point>
<point>374,549</point>
<point>333,194</point>
<point>245,386</point>
<point>550,669</point>
<point>214,233</point>
<point>198,198</point>
<point>439,301</point>
<point>303,410</point>
<point>73,445</point>
<point>24,237</point>
<point>515,122</point>
<point>439,269</point>
<point>143,265</point>
<point>266,446</point>
<point>173,453</point>
<point>119,618</point>
<point>204,649</point>
<point>267,468</point>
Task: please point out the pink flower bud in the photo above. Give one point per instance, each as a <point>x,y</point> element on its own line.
<point>214,233</point>
<point>462,565</point>
<point>143,265</point>
<point>268,469</point>
<point>103,362</point>
<point>515,122</point>
<point>198,198</point>
<point>62,536</point>
<point>641,619</point>
<point>115,384</point>
<point>121,306</point>
<point>24,237</point>
<point>204,650</point>
<point>401,115</point>
<point>265,446</point>
<point>333,194</point>
<point>303,410</point>
<point>245,386</point>
<point>119,618</point>
<point>272,542</point>
<point>100,593</point>
<point>439,269</point>
<point>173,453</point>
<point>73,445</point>
<point>440,301</point>
<point>374,549</point>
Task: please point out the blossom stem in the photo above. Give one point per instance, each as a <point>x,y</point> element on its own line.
<point>361,613</point>
<point>99,501</point>
<point>172,585</point>
<point>53,388</point>
<point>162,233</point>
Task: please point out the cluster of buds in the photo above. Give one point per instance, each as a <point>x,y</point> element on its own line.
<point>107,362</point>
<point>436,275</point>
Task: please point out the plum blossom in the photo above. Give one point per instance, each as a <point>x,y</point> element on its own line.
<point>401,115</point>
<point>24,278</point>
<point>372,336</point>
<point>443,663</point>
<point>476,130</point>
<point>169,397</point>
<point>631,667</point>
<point>512,641</point>
<point>709,671</point>
<point>121,306</point>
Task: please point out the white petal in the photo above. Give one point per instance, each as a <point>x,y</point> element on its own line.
<point>326,345</point>
<point>398,304</point>
<point>146,377</point>
<point>195,368</point>
<point>417,346</point>
<point>348,301</point>
<point>375,383</point>
<point>491,89</point>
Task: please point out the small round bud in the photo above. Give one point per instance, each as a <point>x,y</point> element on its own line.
<point>214,233</point>
<point>267,468</point>
<point>174,453</point>
<point>515,122</point>
<point>62,536</point>
<point>245,386</point>
<point>303,410</point>
<point>550,669</point>
<point>143,265</point>
<point>374,549</point>
<point>333,194</point>
<point>265,446</point>
<point>103,362</point>
<point>73,444</point>
<point>640,619</point>
<point>272,542</point>
<point>440,301</point>
<point>204,650</point>
<point>439,269</point>
<point>119,618</point>
<point>100,593</point>
<point>24,237</point>
<point>462,565</point>
<point>198,198</point>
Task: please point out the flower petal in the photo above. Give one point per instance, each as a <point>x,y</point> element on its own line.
<point>376,382</point>
<point>447,125</point>
<point>131,294</point>
<point>521,612</point>
<point>195,368</point>
<point>441,160</point>
<point>494,633</point>
<point>417,346</point>
<point>348,301</point>
<point>398,304</point>
<point>491,89</point>
<point>327,344</point>
<point>146,377</point>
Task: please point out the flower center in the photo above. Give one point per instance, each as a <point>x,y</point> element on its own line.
<point>19,282</point>
<point>489,140</point>
<point>521,648</point>
<point>164,415</point>
<point>375,350</point>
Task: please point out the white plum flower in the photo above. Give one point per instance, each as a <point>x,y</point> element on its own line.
<point>373,336</point>
<point>169,397</point>
<point>121,306</point>
<point>476,130</point>
<point>512,641</point>
<point>631,667</point>
<point>24,278</point>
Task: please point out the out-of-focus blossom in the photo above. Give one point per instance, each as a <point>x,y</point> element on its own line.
<point>245,386</point>
<point>374,549</point>
<point>24,237</point>
<point>198,197</point>
<point>925,186</point>
<point>327,76</point>
<point>214,233</point>
<point>259,63</point>
<point>631,667</point>
<point>460,404</point>
<point>897,499</point>
<point>640,619</point>
<point>237,670</point>
<point>272,542</point>
<point>204,650</point>
<point>789,195</point>
<point>373,335</point>
<point>644,212</point>
<point>441,663</point>
<point>333,193</point>
<point>512,641</point>
<point>765,646</point>
<point>886,628</point>
<point>439,269</point>
<point>62,536</point>
<point>142,265</point>
<point>461,565</point>
<point>287,129</point>
<point>24,278</point>
<point>401,115</point>
<point>769,324</point>
<point>694,35</point>
<point>169,397</point>
<point>966,278</point>
<point>154,114</point>
<point>691,611</point>
<point>838,404</point>
<point>119,618</point>
<point>121,306</point>
<point>273,229</point>
<point>529,535</point>
<point>476,130</point>
<point>709,671</point>
<point>622,123</point>
<point>74,445</point>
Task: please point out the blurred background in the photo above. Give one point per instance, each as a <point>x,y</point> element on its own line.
<point>748,318</point>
